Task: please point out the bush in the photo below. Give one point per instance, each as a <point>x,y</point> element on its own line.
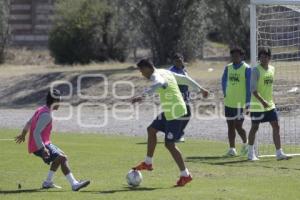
<point>85,31</point>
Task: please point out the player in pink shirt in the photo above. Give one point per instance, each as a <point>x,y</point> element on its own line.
<point>39,143</point>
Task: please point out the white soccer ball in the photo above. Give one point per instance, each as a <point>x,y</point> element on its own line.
<point>134,178</point>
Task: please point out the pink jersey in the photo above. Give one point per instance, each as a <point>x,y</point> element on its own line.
<point>32,147</point>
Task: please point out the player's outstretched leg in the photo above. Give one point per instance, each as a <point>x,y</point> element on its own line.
<point>76,185</point>
<point>151,144</point>
<point>185,176</point>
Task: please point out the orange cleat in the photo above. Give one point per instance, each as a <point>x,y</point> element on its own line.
<point>184,180</point>
<point>143,166</point>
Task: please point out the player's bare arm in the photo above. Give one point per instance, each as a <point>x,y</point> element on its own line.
<point>261,100</point>
<point>21,138</point>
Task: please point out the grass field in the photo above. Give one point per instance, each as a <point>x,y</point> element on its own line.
<point>105,160</point>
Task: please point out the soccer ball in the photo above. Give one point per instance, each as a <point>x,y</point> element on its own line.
<point>134,178</point>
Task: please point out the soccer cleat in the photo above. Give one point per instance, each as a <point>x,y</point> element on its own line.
<point>282,156</point>
<point>184,180</point>
<point>50,185</point>
<point>143,166</point>
<point>252,157</point>
<point>244,150</point>
<point>231,153</point>
<point>80,185</point>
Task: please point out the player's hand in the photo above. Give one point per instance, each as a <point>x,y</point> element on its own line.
<point>45,153</point>
<point>247,112</point>
<point>205,93</point>
<point>137,99</point>
<point>20,138</point>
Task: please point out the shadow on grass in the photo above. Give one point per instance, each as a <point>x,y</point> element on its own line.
<point>230,162</point>
<point>126,189</point>
<point>27,191</point>
<point>217,160</point>
<point>200,158</point>
<point>238,162</point>
<point>280,168</point>
<point>144,143</point>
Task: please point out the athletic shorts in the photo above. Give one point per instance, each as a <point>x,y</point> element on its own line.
<point>234,113</point>
<point>261,117</point>
<point>54,153</point>
<point>173,129</point>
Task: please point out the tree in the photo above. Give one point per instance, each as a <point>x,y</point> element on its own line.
<point>231,20</point>
<point>170,26</point>
<point>3,28</point>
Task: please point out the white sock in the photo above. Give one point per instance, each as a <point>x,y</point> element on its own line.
<point>185,173</point>
<point>251,148</point>
<point>50,176</point>
<point>232,148</point>
<point>279,151</point>
<point>71,179</point>
<point>148,160</point>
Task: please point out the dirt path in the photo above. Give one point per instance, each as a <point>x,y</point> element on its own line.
<point>90,119</point>
<point>22,88</point>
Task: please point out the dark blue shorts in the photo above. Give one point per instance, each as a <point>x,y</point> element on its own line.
<point>54,153</point>
<point>261,117</point>
<point>234,113</point>
<point>173,129</point>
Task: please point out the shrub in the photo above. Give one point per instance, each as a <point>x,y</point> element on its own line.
<point>85,31</point>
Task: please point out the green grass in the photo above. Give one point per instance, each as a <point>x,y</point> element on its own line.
<point>105,160</point>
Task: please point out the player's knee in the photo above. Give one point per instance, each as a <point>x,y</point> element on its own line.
<point>169,145</point>
<point>151,131</point>
<point>276,127</point>
<point>231,130</point>
<point>230,124</point>
<point>255,127</point>
<point>63,158</point>
<point>240,129</point>
<point>148,129</point>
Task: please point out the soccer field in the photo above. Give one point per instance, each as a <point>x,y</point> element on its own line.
<point>105,160</point>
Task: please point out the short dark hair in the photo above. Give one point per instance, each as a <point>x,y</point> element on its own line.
<point>237,49</point>
<point>177,56</point>
<point>53,96</point>
<point>146,62</point>
<point>265,51</point>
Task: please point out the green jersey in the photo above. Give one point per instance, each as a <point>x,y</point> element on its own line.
<point>265,89</point>
<point>236,86</point>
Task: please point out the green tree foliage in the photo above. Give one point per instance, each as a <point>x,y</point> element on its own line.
<point>170,26</point>
<point>231,21</point>
<point>87,30</point>
<point>3,28</point>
